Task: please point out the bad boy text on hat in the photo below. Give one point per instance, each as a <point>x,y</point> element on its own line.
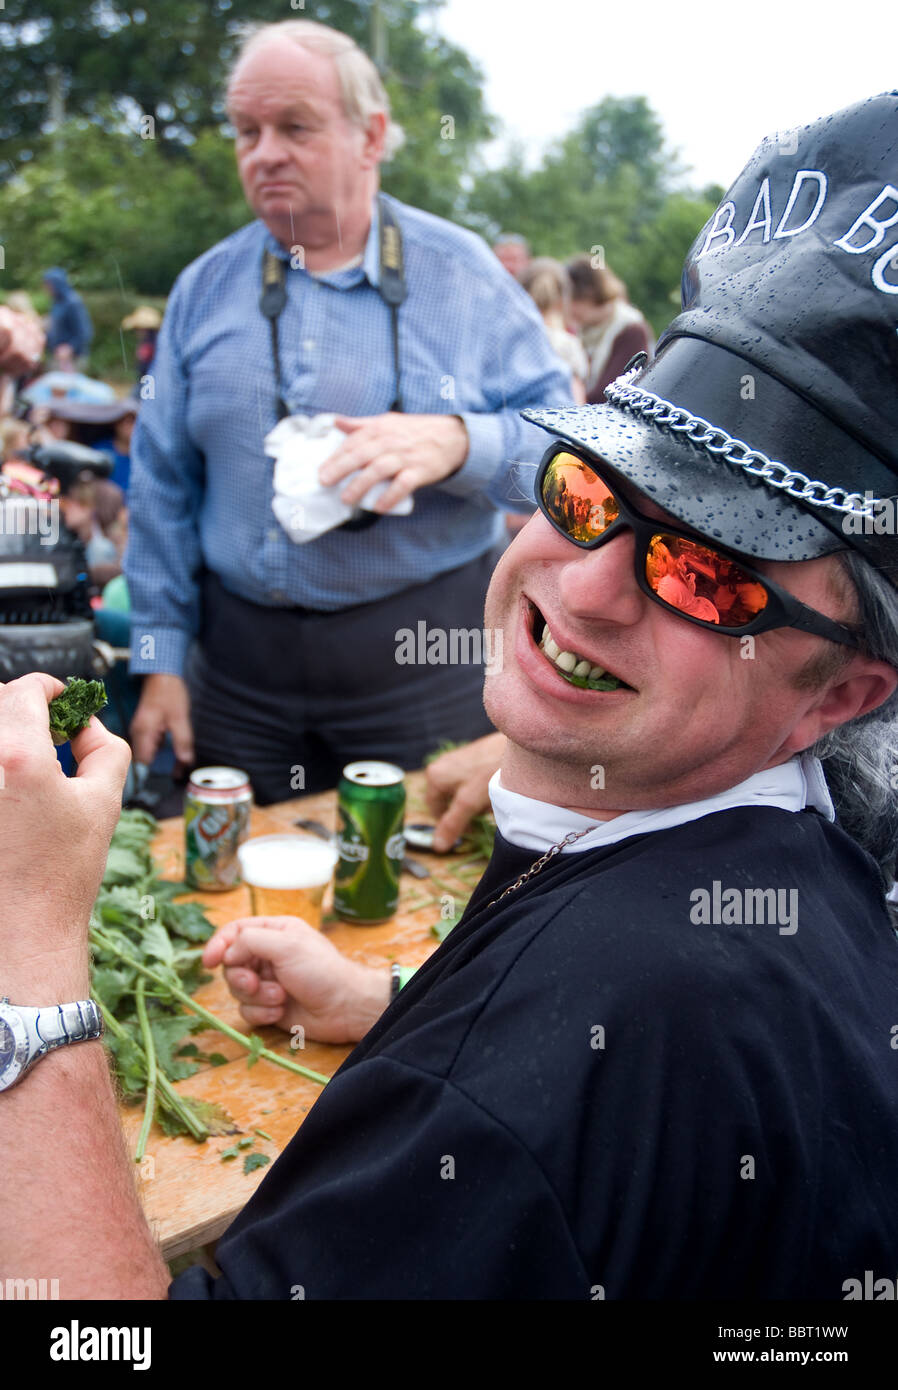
<point>865,234</point>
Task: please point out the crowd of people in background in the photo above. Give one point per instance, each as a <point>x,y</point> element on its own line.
<point>57,399</point>
<point>589,319</point>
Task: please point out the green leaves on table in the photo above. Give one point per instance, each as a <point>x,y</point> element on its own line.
<point>147,965</point>
<point>252,1161</point>
<point>136,922</point>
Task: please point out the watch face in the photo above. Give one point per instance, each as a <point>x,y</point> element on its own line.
<point>13,1047</point>
<point>7,1045</point>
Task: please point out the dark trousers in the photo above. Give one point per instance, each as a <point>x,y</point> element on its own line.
<point>292,695</point>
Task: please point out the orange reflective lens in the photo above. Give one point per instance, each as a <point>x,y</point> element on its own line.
<point>576,499</point>
<point>684,574</point>
<point>695,579</point>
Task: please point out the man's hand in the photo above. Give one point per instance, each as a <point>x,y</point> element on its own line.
<point>412,450</point>
<point>283,971</point>
<point>457,787</point>
<point>21,342</point>
<point>55,832</point>
<point>164,705</point>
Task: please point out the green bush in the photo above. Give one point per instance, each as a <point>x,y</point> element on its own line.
<point>112,351</point>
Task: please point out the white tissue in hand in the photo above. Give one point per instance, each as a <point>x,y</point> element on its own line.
<point>304,508</point>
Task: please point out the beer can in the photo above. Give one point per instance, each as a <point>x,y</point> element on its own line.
<point>216,821</point>
<point>370,842</point>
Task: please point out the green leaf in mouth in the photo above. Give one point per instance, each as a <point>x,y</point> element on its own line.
<point>591,682</point>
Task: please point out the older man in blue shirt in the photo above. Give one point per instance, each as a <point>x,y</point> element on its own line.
<point>295,669</point>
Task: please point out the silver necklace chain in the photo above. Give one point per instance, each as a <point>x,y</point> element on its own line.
<point>717,442</point>
<point>542,862</point>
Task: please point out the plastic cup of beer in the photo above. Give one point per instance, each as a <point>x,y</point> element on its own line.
<point>287,875</point>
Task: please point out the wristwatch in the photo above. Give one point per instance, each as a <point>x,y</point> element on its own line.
<point>27,1033</point>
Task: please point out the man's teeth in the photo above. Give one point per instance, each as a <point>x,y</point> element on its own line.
<point>570,662</point>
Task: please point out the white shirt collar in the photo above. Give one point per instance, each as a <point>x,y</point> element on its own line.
<point>538,825</point>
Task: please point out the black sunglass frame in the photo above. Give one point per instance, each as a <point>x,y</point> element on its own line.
<point>782,609</point>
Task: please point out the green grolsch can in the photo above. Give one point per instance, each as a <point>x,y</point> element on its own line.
<point>371,845</point>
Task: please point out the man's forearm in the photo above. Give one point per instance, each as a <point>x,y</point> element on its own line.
<point>65,1164</point>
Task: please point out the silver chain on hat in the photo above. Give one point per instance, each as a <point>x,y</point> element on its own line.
<point>542,862</point>
<point>734,451</point>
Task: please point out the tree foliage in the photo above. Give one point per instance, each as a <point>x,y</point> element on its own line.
<point>125,207</point>
<point>169,59</point>
<point>607,188</point>
<point>114,211</point>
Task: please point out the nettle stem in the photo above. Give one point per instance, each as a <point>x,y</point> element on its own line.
<point>168,1096</point>
<point>251,1043</point>
<point>149,1046</point>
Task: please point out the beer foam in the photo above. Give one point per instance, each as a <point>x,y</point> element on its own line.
<point>286,861</point>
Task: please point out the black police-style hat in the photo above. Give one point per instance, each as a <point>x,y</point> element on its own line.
<point>769,417</point>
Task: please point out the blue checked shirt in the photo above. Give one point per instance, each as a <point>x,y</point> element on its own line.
<point>471,343</point>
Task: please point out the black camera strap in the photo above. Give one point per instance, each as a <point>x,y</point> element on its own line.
<point>391,287</point>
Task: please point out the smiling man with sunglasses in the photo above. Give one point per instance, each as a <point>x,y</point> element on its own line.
<point>657,1057</point>
<point>623,688</point>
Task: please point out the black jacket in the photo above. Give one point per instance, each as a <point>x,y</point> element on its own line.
<point>588,1092</point>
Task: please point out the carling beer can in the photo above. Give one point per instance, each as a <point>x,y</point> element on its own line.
<point>216,821</point>
<point>370,842</point>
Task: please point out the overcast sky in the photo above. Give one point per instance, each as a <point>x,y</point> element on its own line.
<point>720,76</point>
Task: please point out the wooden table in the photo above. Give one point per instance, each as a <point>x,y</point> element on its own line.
<point>190,1195</point>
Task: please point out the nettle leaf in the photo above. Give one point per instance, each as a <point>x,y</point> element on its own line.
<point>135,830</point>
<point>138,818</point>
<point>120,906</point>
<point>112,984</point>
<point>129,1063</point>
<point>215,1119</point>
<point>169,1123</point>
<point>122,866</point>
<point>167,1033</point>
<point>71,711</point>
<point>164,890</point>
<point>186,957</point>
<point>118,943</point>
<point>157,943</point>
<point>194,977</point>
<point>188,920</point>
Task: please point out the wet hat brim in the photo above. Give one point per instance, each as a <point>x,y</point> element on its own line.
<point>701,488</point>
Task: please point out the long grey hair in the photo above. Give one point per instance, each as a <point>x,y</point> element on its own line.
<point>860,758</point>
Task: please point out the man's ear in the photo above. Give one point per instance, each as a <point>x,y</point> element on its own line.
<point>375,140</point>
<point>863,685</point>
